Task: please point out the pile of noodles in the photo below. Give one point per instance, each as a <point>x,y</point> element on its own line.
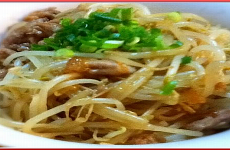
<point>32,92</point>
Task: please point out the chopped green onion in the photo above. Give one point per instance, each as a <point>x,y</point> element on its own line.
<point>135,41</point>
<point>100,51</point>
<point>176,44</point>
<point>110,28</point>
<point>87,48</point>
<point>132,22</point>
<point>186,60</point>
<point>37,47</point>
<point>174,16</point>
<point>104,31</point>
<point>64,52</point>
<point>126,14</point>
<point>115,35</point>
<point>65,22</point>
<point>160,42</point>
<point>107,18</point>
<point>52,43</point>
<point>168,88</point>
<point>115,12</point>
<point>156,32</point>
<point>91,42</point>
<point>110,44</point>
<point>71,37</point>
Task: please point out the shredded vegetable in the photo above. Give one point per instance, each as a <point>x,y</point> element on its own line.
<point>115,74</point>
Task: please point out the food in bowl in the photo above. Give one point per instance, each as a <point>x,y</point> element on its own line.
<point>115,74</point>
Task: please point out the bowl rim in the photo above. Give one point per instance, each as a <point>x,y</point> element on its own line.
<point>14,138</point>
<point>19,139</point>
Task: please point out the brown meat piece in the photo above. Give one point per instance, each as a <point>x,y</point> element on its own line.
<point>4,52</point>
<point>89,66</point>
<point>33,32</point>
<point>221,120</point>
<point>45,14</point>
<point>39,25</point>
<point>3,72</point>
<point>146,139</point>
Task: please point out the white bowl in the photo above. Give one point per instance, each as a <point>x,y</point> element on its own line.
<point>216,13</point>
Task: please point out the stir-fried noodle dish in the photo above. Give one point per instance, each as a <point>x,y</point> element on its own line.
<point>115,74</point>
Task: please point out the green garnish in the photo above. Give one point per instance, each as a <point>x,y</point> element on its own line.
<point>87,48</point>
<point>105,31</point>
<point>168,88</point>
<point>105,17</point>
<point>176,44</point>
<point>64,52</point>
<point>186,60</point>
<point>175,16</point>
<point>111,44</point>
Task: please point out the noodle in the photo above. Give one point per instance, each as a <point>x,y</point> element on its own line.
<point>130,77</point>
